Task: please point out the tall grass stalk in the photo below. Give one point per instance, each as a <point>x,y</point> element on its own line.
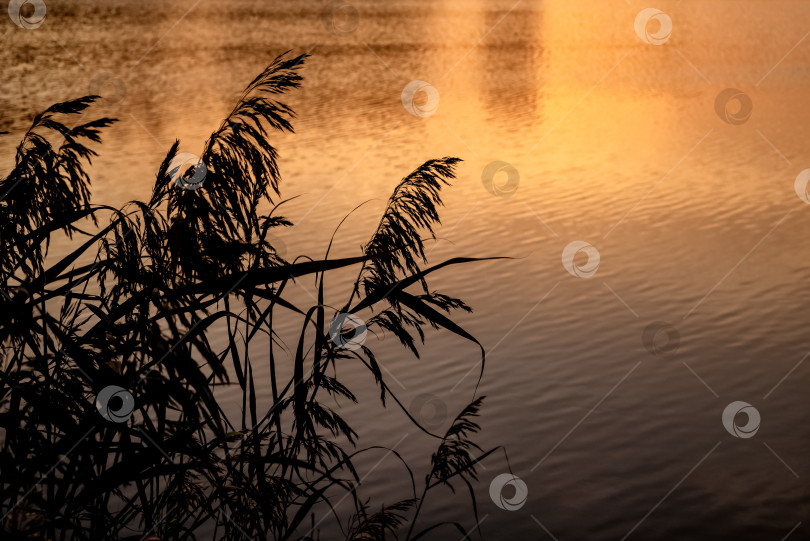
<point>134,305</point>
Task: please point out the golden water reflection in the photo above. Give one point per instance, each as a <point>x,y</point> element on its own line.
<point>617,143</point>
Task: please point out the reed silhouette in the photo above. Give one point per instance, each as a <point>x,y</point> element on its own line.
<point>133,306</point>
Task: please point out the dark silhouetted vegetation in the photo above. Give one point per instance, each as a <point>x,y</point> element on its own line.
<point>134,306</point>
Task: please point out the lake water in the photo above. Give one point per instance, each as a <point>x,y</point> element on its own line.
<point>617,143</point>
